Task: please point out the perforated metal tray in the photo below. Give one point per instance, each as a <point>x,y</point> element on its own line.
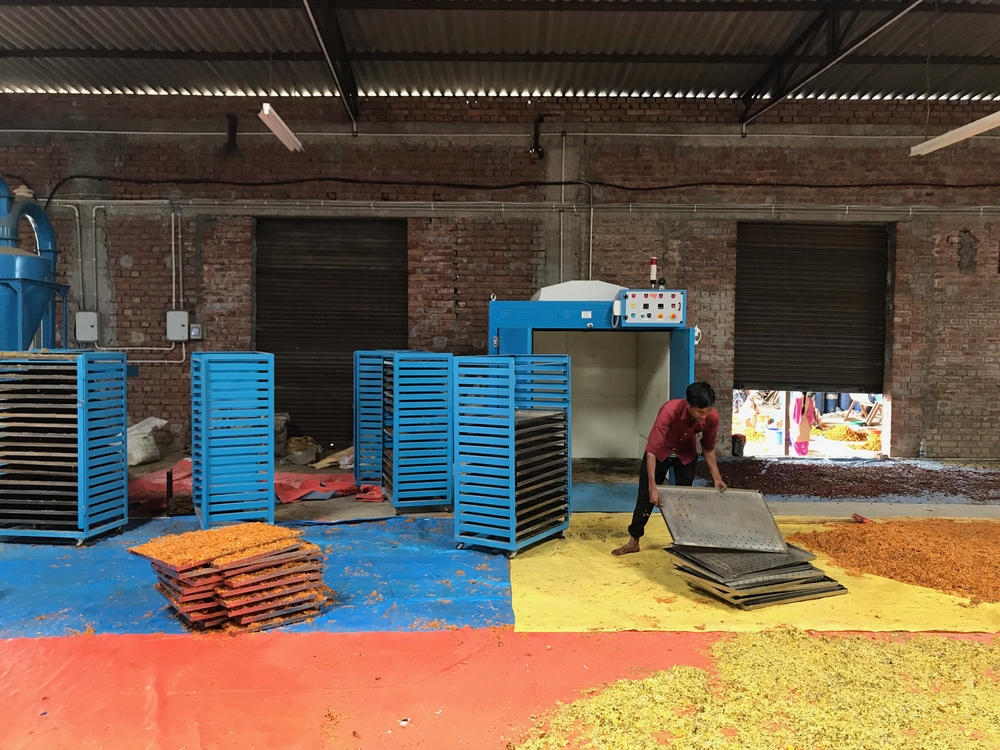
<point>738,563</point>
<point>790,573</point>
<point>815,581</point>
<point>734,519</point>
<point>769,600</point>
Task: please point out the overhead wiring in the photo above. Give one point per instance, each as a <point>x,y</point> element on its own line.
<point>515,185</point>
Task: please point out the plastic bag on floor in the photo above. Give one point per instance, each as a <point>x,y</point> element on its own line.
<point>142,448</point>
<point>281,420</point>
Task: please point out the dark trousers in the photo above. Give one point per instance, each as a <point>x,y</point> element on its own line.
<point>683,477</point>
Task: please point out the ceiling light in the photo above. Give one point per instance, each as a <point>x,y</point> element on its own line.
<point>958,134</point>
<point>278,127</point>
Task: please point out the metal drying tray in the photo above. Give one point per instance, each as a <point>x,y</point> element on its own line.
<point>734,519</point>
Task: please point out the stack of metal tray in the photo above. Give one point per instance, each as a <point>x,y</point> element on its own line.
<point>250,588</point>
<point>541,452</point>
<point>728,545</point>
<point>39,439</point>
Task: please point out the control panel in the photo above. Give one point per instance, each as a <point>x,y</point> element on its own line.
<point>654,307</point>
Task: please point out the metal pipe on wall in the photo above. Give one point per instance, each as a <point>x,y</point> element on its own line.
<point>732,135</point>
<point>173,287</point>
<point>78,225</point>
<point>733,211</point>
<point>562,201</point>
<point>180,256</point>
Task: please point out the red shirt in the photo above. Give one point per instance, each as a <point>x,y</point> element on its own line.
<point>674,432</point>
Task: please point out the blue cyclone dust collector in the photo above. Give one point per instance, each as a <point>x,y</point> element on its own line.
<point>63,425</point>
<point>27,279</point>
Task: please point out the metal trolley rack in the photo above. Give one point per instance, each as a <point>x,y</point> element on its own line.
<point>232,436</point>
<point>368,427</point>
<point>63,444</point>
<point>417,434</point>
<point>512,450</point>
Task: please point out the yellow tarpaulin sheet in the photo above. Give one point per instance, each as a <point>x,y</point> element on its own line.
<point>576,585</point>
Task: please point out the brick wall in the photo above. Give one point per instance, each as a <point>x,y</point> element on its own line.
<point>943,372</point>
<point>956,355</point>
<point>455,265</point>
<point>112,112</point>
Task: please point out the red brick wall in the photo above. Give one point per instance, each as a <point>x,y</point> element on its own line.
<point>455,265</point>
<point>946,348</point>
<point>943,375</point>
<point>112,112</point>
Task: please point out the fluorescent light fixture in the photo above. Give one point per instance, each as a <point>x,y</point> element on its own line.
<point>958,134</point>
<point>278,127</point>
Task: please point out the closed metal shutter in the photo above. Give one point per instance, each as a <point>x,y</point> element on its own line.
<point>324,288</point>
<point>811,306</point>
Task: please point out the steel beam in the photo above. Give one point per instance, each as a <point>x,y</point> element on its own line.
<point>323,18</point>
<point>153,54</point>
<point>495,57</point>
<point>583,57</point>
<point>612,6</point>
<point>780,80</point>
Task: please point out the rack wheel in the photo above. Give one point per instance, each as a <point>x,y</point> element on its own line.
<point>561,535</point>
<point>460,545</point>
<point>512,554</point>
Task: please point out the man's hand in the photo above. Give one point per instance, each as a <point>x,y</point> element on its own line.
<point>713,466</point>
<point>654,496</point>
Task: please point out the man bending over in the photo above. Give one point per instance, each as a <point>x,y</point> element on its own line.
<point>671,445</point>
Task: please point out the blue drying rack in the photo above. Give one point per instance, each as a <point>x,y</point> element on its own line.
<point>513,471</point>
<point>417,434</point>
<point>368,426</point>
<point>232,436</point>
<point>63,444</point>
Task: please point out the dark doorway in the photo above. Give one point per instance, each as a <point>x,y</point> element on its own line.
<point>811,306</point>
<point>325,288</point>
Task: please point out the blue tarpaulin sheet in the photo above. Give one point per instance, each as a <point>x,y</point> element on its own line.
<point>396,574</point>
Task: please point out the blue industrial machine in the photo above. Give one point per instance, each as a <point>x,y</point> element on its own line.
<point>27,279</point>
<point>232,436</point>
<point>631,351</point>
<point>512,450</point>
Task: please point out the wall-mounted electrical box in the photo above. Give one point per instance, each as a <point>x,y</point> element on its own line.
<point>177,325</point>
<point>86,327</point>
<point>196,331</point>
<point>653,307</point>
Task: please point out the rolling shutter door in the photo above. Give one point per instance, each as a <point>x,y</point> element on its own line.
<point>811,306</point>
<point>324,288</point>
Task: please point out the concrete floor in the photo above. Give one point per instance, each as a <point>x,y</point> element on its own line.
<point>602,471</point>
<point>843,510</point>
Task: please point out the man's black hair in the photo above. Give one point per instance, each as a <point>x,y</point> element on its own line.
<point>701,395</point>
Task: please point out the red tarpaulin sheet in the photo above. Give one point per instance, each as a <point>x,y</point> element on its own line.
<point>151,490</point>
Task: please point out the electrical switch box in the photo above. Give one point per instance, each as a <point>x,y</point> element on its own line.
<point>86,327</point>
<point>196,331</point>
<point>654,308</point>
<point>177,325</point>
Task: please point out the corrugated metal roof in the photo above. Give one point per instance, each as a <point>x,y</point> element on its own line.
<point>178,29</point>
<point>604,33</point>
<point>382,38</point>
<point>173,77</point>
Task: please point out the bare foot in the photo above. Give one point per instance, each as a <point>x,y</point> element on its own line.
<point>631,546</point>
